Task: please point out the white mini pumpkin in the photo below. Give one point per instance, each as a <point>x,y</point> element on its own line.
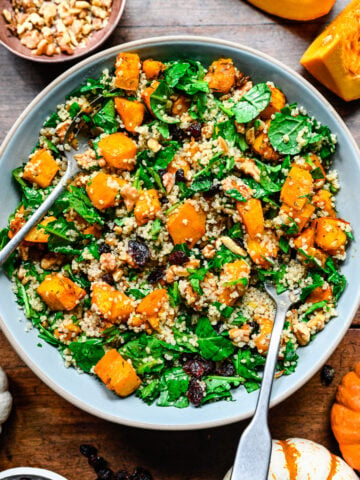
<point>5,398</point>
<point>300,459</point>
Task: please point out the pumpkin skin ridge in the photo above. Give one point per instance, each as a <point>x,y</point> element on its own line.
<point>291,454</point>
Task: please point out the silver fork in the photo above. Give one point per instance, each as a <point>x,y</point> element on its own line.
<point>72,169</point>
<point>252,458</point>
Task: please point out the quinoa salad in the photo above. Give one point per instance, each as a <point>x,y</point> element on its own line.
<point>197,185</point>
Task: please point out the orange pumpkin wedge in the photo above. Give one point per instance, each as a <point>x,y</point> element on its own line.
<point>295,9</point>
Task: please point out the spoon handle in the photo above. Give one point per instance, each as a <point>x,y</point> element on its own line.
<point>254,451</point>
<point>33,220</point>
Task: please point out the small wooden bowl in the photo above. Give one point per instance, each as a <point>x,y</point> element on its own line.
<point>12,43</point>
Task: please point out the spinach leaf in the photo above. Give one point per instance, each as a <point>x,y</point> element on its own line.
<point>149,392</point>
<point>219,387</point>
<point>290,360</point>
<point>91,85</point>
<point>106,117</point>
<point>314,307</point>
<point>9,265</point>
<point>212,345</point>
<point>336,279</point>
<point>233,193</point>
<point>252,103</point>
<point>289,135</point>
<point>228,132</point>
<point>51,146</point>
<point>173,387</point>
<point>63,236</point>
<point>22,298</point>
<point>306,291</point>
<point>196,276</point>
<point>160,103</point>
<point>284,244</point>
<point>87,354</point>
<point>156,229</point>
<point>52,121</point>
<point>166,155</point>
<point>137,293</point>
<point>187,76</point>
<point>77,199</point>
<point>74,109</point>
<point>174,294</point>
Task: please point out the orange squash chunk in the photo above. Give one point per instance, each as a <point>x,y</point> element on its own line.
<point>119,151</point>
<point>103,190</point>
<point>17,221</point>
<point>251,213</point>
<point>229,294</point>
<point>298,185</point>
<point>117,374</point>
<point>306,239</point>
<point>263,339</point>
<point>94,230</point>
<point>301,217</point>
<point>319,294</point>
<point>152,68</point>
<point>277,102</point>
<point>263,147</point>
<point>59,292</point>
<point>310,165</point>
<point>127,71</point>
<point>263,250</point>
<point>187,224</point>
<point>323,200</point>
<point>38,235</point>
<point>67,331</point>
<point>131,113</point>
<point>330,235</point>
<point>114,306</point>
<point>147,206</point>
<point>295,9</point>
<point>153,306</point>
<point>41,168</point>
<point>146,94</point>
<point>221,75</point>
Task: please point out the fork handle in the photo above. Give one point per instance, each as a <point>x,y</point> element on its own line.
<point>33,220</point>
<point>253,455</point>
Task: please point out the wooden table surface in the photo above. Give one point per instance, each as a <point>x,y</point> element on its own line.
<point>46,431</point>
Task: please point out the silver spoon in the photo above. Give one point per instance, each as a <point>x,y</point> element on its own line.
<point>72,169</point>
<point>252,458</point>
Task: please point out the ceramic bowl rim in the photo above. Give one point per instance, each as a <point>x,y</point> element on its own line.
<point>31,471</point>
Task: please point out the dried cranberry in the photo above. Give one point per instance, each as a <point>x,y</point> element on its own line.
<point>178,257</point>
<point>195,130</point>
<point>105,474</point>
<point>195,392</point>
<point>162,171</point>
<point>177,133</point>
<point>155,276</point>
<point>87,450</point>
<point>226,369</point>
<point>163,200</point>
<point>139,252</point>
<point>213,190</point>
<point>198,367</point>
<point>327,375</point>
<point>104,248</point>
<point>108,278</point>
<point>98,463</point>
<point>180,176</point>
<point>253,325</point>
<point>141,474</point>
<point>122,475</point>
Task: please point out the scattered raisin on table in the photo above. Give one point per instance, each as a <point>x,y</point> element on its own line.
<point>141,474</point>
<point>105,474</point>
<point>88,450</point>
<point>327,375</point>
<point>98,463</point>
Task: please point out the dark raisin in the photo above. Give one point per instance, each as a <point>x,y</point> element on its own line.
<point>104,248</point>
<point>108,278</point>
<point>105,474</point>
<point>163,200</point>
<point>122,475</point>
<point>239,241</point>
<point>225,369</point>
<point>195,130</point>
<point>195,392</point>
<point>177,133</point>
<point>180,176</point>
<point>253,325</point>
<point>327,375</point>
<point>139,252</point>
<point>155,276</point>
<point>88,450</point>
<point>213,190</point>
<point>141,474</point>
<point>178,257</point>
<point>198,367</point>
<point>161,171</point>
<point>98,463</point>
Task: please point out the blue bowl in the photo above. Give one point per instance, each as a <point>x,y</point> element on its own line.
<point>83,390</point>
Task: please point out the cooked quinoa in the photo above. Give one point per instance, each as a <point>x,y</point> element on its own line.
<point>196,186</point>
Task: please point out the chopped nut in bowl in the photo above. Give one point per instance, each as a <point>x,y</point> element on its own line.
<point>53,31</point>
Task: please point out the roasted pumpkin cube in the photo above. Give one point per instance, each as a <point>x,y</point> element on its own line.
<point>320,294</point>
<point>234,279</point>
<point>152,68</point>
<point>187,224</point>
<point>323,200</point>
<point>147,206</point>
<point>131,113</point>
<point>59,292</point>
<point>67,331</point>
<point>153,308</point>
<point>221,75</point>
<point>330,235</point>
<point>261,146</point>
<point>38,235</point>
<point>262,341</point>
<point>118,150</point>
<point>306,239</point>
<point>17,221</point>
<point>127,71</point>
<point>300,217</point>
<point>117,374</point>
<point>41,168</point>
<point>146,94</point>
<point>313,164</point>
<point>297,187</point>
<point>277,102</point>
<point>263,250</point>
<point>113,305</point>
<point>252,216</point>
<point>103,190</point>
<point>94,230</point>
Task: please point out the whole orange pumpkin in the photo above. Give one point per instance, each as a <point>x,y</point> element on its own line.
<point>345,417</point>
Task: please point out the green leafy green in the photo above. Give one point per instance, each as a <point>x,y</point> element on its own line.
<point>252,103</point>
<point>52,121</point>
<point>160,103</point>
<point>288,134</point>
<point>77,199</point>
<point>212,345</point>
<point>173,387</point>
<point>106,117</point>
<point>87,354</point>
